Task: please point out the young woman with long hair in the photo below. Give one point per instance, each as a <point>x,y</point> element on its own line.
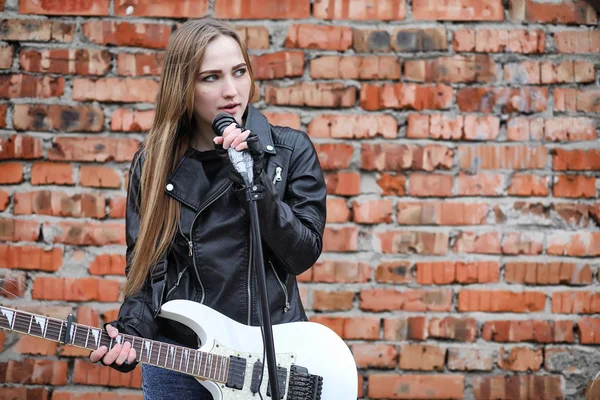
<point>187,221</point>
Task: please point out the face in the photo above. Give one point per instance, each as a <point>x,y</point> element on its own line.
<point>223,84</point>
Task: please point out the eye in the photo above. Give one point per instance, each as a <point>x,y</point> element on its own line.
<point>240,72</point>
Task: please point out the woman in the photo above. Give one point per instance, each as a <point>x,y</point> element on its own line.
<point>186,213</point>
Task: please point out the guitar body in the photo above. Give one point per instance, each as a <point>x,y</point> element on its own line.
<point>306,344</point>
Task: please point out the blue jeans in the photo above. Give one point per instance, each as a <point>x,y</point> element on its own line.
<point>164,384</point>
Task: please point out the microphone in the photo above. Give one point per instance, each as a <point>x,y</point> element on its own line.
<point>241,160</point>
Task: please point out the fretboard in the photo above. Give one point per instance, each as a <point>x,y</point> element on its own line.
<point>193,362</point>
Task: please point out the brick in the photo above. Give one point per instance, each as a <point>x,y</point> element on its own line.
<point>520,359</point>
<point>441,213</point>
<point>3,110</point>
<point>277,65</point>
<point>375,355</point>
<point>153,36</point>
<point>37,371</point>
<point>115,90</point>
<point>23,392</point>
<point>84,234</point>
<point>362,10</point>
<point>422,357</point>
<point>162,8</point>
<point>126,120</point>
<point>99,176</point>
<point>365,328</point>
<point>529,185</point>
<point>576,160</point>
<point>87,373</point>
<point>19,230</point>
<point>140,64</point>
<point>116,207</point>
<point>75,289</point>
<point>67,394</point>
<point>283,119</point>
<point>381,299</point>
<point>36,30</point>
<point>55,203</point>
<point>330,271</point>
<point>55,117</point>
<point>572,302</point>
<point>334,156</point>
<point>563,12</point>
<point>574,186</point>
<point>517,387</point>
<point>570,99</point>
<point>31,258</point>
<point>2,3</point>
<point>337,210</point>
<point>341,239</point>
<point>353,126</point>
<point>500,41</point>
<point>482,184</point>
<point>392,157</point>
<point>528,331</point>
<point>255,37</point>
<point>418,39</point>
<point>468,359</point>
<point>312,94</point>
<point>577,41</point>
<point>4,200</point>
<point>93,149</point>
<point>446,127</point>
<point>393,272</point>
<point>343,183</point>
<point>529,243</point>
<point>399,329</point>
<point>480,243</point>
<point>11,173</point>
<point>451,69</point>
<point>505,100</point>
<point>551,273</point>
<point>447,272</point>
<point>355,67</point>
<point>391,185</point>
<point>12,286</point>
<point>400,96</point>
<point>50,173</point>
<point>414,386</point>
<point>574,244</point>
<point>406,242</point>
<point>332,301</point>
<point>35,346</point>
<point>372,211</point>
<point>430,185</point>
<point>570,129</point>
<point>55,7</point>
<point>500,301</point>
<point>269,9</point>
<point>6,57</point>
<point>489,157</point>
<point>588,328</point>
<point>66,61</point>
<point>20,85</point>
<point>321,37</point>
<point>451,328</point>
<point>458,10</point>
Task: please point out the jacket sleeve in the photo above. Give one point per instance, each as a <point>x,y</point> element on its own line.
<point>135,315</point>
<point>293,229</point>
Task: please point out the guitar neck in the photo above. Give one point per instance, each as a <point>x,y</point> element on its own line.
<point>178,358</point>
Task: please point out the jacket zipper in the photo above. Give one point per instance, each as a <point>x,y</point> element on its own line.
<point>250,279</point>
<point>287,303</point>
<point>191,244</point>
<point>176,283</point>
<point>277,175</point>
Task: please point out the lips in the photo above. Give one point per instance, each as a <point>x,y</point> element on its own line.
<point>231,107</point>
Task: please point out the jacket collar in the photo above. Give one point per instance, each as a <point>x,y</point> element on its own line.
<point>188,183</point>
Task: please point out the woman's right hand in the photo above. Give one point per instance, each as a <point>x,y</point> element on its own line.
<point>119,354</point>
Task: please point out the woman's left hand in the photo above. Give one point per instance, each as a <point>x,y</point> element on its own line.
<point>234,137</point>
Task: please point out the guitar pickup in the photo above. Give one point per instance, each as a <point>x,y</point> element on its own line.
<point>237,372</point>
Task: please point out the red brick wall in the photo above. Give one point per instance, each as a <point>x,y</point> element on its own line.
<point>459,140</point>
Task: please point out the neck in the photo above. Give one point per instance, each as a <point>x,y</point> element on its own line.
<point>202,138</point>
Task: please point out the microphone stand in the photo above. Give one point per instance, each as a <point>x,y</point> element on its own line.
<point>252,197</point>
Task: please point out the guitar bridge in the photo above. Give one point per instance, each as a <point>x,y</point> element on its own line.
<point>304,386</point>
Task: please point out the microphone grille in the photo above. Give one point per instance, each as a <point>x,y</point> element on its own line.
<point>221,121</point>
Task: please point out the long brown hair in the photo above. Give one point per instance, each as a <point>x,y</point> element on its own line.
<point>168,139</point>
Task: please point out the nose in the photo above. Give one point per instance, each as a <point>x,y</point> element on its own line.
<point>229,89</point>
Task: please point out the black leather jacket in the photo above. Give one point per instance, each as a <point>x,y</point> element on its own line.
<point>209,261</point>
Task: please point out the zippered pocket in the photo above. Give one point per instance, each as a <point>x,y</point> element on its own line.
<point>176,283</point>
<point>277,177</point>
<point>285,293</point>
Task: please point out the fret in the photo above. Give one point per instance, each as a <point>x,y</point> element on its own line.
<point>30,321</point>
<point>172,351</point>
<point>187,356</point>
<point>210,360</point>
<point>37,328</point>
<point>53,330</point>
<point>223,368</point>
<point>45,329</point>
<point>73,331</point>
<point>194,363</point>
<point>60,332</point>
<point>159,349</point>
<point>96,334</point>
<point>202,364</point>
<point>181,358</point>
<point>87,337</point>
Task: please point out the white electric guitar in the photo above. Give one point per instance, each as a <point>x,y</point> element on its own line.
<point>313,362</point>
